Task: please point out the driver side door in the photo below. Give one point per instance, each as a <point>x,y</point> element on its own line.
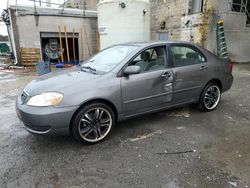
<point>150,89</point>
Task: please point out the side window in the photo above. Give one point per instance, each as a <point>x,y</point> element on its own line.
<point>151,59</point>
<point>183,56</point>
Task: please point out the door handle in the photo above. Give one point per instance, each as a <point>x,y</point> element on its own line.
<point>203,68</point>
<point>166,74</point>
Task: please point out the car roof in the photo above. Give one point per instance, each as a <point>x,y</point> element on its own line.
<point>149,43</point>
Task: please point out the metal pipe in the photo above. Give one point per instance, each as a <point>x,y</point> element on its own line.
<point>40,1</point>
<point>13,39</point>
<point>16,7</point>
<point>48,3</point>
<point>35,6</point>
<point>63,7</point>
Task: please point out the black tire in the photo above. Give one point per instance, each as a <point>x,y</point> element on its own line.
<point>82,122</point>
<point>205,97</point>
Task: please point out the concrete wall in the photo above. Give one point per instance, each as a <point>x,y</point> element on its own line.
<point>200,28</point>
<point>236,31</point>
<point>28,28</point>
<point>90,4</point>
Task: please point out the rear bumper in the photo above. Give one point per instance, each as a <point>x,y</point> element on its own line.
<point>45,120</point>
<point>227,83</point>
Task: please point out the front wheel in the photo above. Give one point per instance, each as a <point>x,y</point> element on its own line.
<point>210,97</point>
<point>93,123</point>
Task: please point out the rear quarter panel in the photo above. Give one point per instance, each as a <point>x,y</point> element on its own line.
<point>219,69</point>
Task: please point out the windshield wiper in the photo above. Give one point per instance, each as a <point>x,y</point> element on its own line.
<point>89,68</point>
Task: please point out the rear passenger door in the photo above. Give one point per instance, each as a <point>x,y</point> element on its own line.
<point>190,72</point>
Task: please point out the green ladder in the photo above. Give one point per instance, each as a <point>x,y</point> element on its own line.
<point>221,40</point>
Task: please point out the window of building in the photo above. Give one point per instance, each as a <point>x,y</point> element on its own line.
<point>163,36</point>
<point>185,55</point>
<point>242,6</point>
<point>151,59</point>
<point>195,6</point>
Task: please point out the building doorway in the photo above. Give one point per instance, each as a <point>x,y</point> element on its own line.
<point>50,47</point>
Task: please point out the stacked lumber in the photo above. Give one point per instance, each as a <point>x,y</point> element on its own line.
<point>29,56</point>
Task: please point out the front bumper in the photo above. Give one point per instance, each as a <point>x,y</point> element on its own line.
<point>45,120</point>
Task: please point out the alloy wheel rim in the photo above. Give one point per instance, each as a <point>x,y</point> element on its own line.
<point>95,124</point>
<point>212,97</point>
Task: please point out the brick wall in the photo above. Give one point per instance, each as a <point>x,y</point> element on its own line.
<point>179,24</point>
<point>170,12</point>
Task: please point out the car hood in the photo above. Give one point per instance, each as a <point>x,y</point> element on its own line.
<point>60,81</point>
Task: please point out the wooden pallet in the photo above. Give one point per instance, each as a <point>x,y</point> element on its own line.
<point>29,56</point>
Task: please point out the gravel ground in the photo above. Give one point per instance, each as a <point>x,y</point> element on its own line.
<point>214,147</point>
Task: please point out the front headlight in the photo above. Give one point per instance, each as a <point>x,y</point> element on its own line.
<point>45,99</point>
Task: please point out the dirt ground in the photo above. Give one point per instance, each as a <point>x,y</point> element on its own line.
<point>206,150</point>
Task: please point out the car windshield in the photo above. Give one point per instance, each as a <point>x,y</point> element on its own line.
<point>107,59</point>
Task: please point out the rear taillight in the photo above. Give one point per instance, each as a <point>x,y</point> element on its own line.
<point>231,65</point>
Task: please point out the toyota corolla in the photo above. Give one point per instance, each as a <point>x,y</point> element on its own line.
<point>121,82</point>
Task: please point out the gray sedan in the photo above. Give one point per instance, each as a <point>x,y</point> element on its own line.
<point>121,82</point>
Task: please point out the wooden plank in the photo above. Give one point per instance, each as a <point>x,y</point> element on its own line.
<point>29,56</point>
<point>25,63</point>
<point>30,50</point>
<point>33,59</point>
<point>29,61</point>
<point>29,65</point>
<point>61,47</point>
<point>67,45</point>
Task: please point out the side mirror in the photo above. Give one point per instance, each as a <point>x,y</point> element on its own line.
<point>133,69</point>
<point>202,59</point>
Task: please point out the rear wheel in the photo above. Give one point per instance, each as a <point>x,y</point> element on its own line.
<point>93,123</point>
<point>210,97</point>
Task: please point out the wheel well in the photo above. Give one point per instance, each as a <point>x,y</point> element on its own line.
<point>217,81</point>
<point>104,101</point>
